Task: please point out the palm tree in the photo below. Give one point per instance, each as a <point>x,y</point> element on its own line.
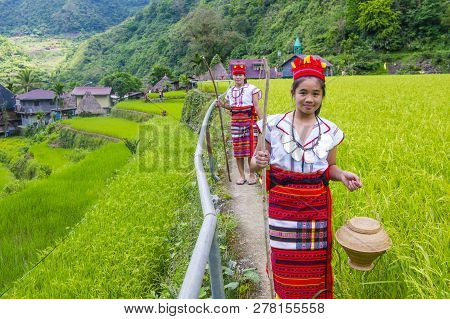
<point>58,89</point>
<point>27,79</point>
<point>10,84</point>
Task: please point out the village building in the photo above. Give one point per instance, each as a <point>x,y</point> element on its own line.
<point>164,85</point>
<point>35,106</point>
<point>218,71</point>
<point>286,66</point>
<point>101,94</point>
<point>254,68</point>
<point>9,121</point>
<point>89,105</point>
<point>69,105</point>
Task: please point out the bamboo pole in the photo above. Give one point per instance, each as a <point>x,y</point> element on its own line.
<point>262,140</point>
<point>221,120</point>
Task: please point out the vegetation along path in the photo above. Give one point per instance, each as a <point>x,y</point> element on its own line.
<point>247,205</point>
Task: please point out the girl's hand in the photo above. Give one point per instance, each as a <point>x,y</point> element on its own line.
<point>351,181</point>
<point>262,158</point>
<point>219,103</point>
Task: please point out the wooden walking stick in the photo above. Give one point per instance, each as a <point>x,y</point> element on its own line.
<point>220,116</point>
<point>262,140</point>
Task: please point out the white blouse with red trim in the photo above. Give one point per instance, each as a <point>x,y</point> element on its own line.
<point>280,124</point>
<point>243,95</point>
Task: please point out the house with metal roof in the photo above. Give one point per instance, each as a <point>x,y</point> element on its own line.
<point>254,68</point>
<point>31,104</point>
<point>9,120</point>
<point>286,67</point>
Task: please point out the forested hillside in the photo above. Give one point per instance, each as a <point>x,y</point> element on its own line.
<point>358,36</point>
<point>18,17</point>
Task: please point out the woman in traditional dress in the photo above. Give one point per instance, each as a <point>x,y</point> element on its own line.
<point>242,100</point>
<point>301,150</point>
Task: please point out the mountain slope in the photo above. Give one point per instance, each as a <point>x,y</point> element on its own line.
<point>357,35</point>
<point>63,16</point>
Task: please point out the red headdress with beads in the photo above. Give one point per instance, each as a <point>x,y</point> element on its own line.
<point>238,69</point>
<point>308,67</point>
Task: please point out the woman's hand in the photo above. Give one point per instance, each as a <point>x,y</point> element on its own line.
<point>219,103</point>
<point>262,159</point>
<point>351,181</point>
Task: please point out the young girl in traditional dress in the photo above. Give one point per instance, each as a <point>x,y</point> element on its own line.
<point>242,100</point>
<point>301,150</point>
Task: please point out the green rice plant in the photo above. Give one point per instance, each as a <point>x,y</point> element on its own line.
<point>11,148</point>
<point>54,157</point>
<point>110,126</point>
<point>180,94</point>
<point>173,108</point>
<point>207,86</point>
<point>397,140</point>
<point>39,215</point>
<point>5,177</point>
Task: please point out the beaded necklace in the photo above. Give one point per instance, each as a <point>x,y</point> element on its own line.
<point>240,91</point>
<point>320,147</point>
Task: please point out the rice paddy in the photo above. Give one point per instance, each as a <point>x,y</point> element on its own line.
<point>136,241</point>
<point>180,94</point>
<point>35,218</point>
<point>110,126</point>
<point>5,176</point>
<point>55,158</point>
<point>172,107</point>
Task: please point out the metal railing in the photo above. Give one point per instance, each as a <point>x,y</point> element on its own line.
<point>206,248</point>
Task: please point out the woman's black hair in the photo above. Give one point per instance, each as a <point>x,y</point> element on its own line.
<point>303,78</point>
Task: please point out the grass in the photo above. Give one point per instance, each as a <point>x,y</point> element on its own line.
<point>137,240</point>
<point>172,107</point>
<point>37,217</point>
<point>397,141</point>
<point>110,126</point>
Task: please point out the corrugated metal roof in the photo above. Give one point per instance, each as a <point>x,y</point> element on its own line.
<point>37,94</point>
<point>94,90</point>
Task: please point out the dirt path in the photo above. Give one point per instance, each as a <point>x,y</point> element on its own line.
<point>247,205</point>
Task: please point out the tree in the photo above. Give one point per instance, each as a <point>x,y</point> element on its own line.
<point>158,71</point>
<point>378,19</point>
<point>58,89</point>
<point>122,83</point>
<point>10,85</point>
<point>27,79</point>
<point>184,81</point>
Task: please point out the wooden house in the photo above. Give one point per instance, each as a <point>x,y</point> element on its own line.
<point>254,68</point>
<point>286,67</point>
<point>35,102</point>
<point>9,120</point>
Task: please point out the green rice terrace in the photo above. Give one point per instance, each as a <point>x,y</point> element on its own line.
<point>84,214</point>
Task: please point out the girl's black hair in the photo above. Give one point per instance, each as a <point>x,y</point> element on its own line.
<point>303,78</point>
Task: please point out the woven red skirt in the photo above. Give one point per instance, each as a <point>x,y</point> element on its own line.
<point>244,132</point>
<point>300,234</point>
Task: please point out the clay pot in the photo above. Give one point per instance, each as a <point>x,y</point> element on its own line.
<point>363,239</point>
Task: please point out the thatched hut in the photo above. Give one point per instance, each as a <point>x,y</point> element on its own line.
<point>218,71</point>
<point>89,106</point>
